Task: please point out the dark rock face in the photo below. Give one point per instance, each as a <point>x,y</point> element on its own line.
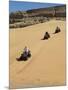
<point>57,11</point>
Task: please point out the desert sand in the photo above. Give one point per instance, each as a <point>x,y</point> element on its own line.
<point>46,67</point>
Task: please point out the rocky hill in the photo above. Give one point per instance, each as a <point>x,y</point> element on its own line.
<point>35,16</point>
<point>58,11</point>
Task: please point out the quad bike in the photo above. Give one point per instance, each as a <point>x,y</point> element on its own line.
<point>57,30</point>
<point>24,56</point>
<point>46,36</point>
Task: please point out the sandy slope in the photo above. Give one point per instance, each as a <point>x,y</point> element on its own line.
<point>46,67</point>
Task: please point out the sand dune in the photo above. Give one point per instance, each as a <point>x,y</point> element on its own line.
<point>46,67</point>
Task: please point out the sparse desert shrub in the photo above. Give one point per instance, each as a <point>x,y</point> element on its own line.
<point>41,20</point>
<point>12,26</point>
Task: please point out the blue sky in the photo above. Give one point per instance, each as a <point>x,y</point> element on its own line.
<point>23,6</point>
